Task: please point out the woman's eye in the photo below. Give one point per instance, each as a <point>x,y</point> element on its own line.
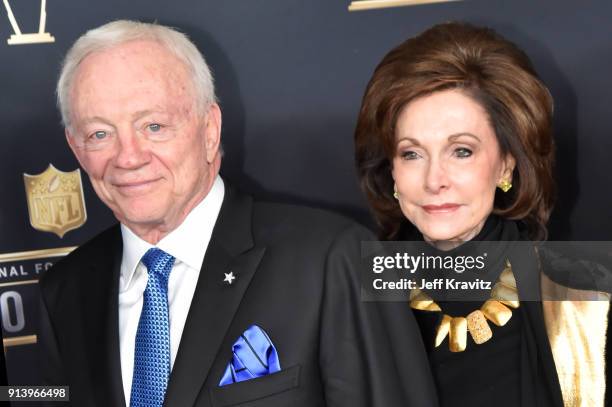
<point>154,127</point>
<point>409,155</point>
<point>463,152</point>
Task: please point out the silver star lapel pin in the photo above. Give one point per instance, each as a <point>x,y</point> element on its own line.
<point>229,277</point>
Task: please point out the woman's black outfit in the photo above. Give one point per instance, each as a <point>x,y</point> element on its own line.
<point>516,366</point>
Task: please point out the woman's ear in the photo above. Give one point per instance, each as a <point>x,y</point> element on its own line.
<point>509,163</point>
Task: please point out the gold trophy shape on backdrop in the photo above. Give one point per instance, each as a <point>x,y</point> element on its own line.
<point>29,38</point>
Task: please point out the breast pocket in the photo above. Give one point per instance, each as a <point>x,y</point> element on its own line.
<point>254,389</point>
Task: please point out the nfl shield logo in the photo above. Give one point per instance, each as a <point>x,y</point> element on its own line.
<point>55,200</point>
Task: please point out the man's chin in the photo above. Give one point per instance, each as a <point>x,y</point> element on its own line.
<point>139,218</point>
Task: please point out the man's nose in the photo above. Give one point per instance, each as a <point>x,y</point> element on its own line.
<point>132,151</point>
<point>436,177</point>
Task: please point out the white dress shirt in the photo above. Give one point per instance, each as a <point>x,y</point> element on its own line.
<point>188,244</point>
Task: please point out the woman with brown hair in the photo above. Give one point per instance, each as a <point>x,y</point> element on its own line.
<point>454,144</point>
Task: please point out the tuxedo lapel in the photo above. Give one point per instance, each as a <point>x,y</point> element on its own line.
<point>231,250</point>
<point>100,315</point>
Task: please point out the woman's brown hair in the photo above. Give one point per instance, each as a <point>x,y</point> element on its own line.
<point>496,74</point>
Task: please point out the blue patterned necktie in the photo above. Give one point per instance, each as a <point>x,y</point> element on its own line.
<point>152,350</point>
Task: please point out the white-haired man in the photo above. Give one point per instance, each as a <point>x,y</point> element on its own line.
<point>161,308</point>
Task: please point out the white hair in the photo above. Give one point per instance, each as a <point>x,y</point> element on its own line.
<point>122,31</point>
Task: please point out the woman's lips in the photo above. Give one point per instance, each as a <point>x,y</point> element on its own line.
<point>444,208</point>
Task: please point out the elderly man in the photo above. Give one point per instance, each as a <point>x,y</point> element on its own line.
<point>202,296</point>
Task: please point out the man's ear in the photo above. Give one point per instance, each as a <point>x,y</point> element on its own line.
<point>212,132</point>
<point>73,146</point>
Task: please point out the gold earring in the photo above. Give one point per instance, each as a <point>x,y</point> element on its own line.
<point>395,194</point>
<point>504,185</point>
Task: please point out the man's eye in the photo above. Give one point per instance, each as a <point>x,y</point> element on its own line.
<point>463,152</point>
<point>99,135</point>
<point>154,127</point>
<point>409,155</point>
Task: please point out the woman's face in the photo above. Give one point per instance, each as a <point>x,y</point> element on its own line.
<point>447,165</point>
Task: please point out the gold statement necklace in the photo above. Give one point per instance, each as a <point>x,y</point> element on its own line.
<point>496,309</point>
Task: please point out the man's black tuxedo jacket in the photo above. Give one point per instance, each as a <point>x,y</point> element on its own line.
<point>297,277</point>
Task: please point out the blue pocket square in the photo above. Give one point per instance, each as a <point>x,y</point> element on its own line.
<point>254,355</point>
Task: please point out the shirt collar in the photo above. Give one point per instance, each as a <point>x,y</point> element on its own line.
<point>187,243</point>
